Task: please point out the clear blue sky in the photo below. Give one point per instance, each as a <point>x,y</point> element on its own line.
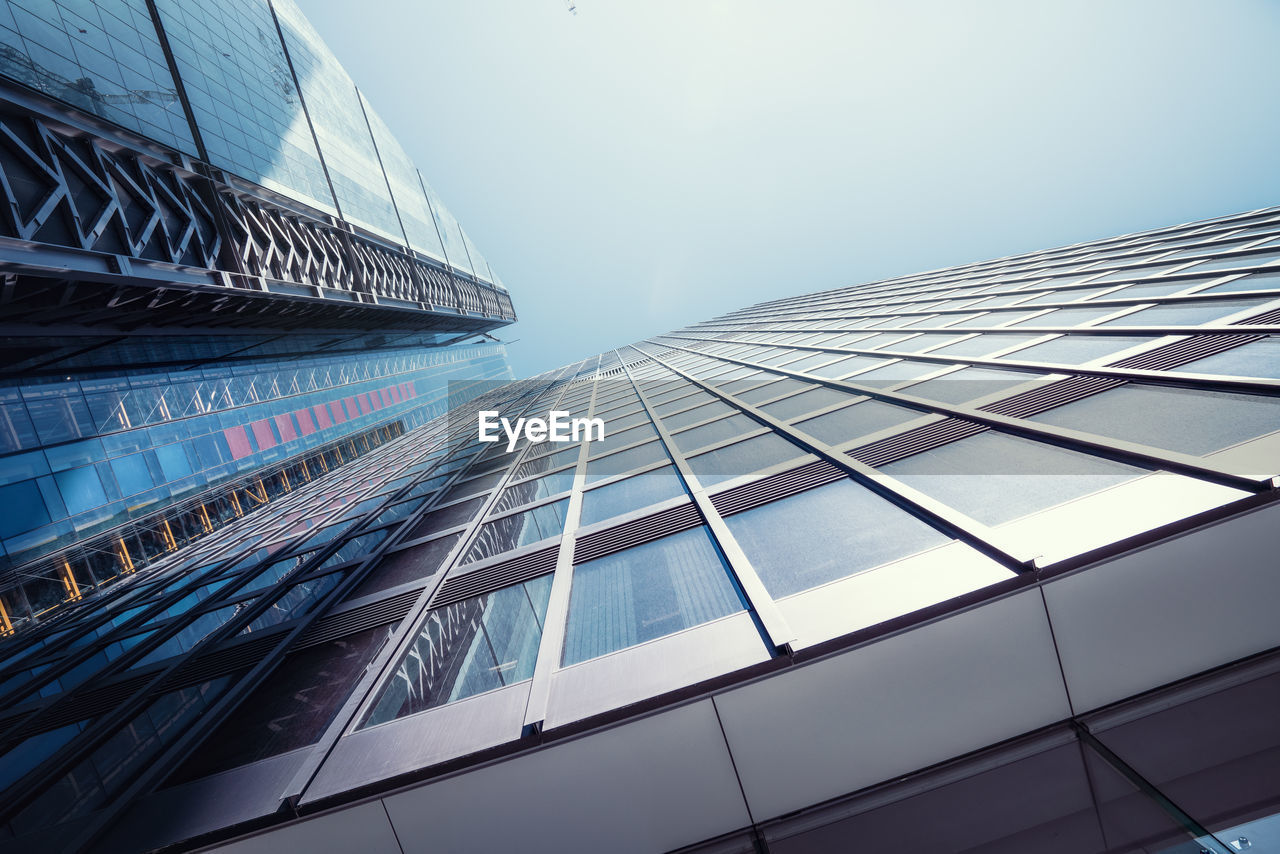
<point>650,163</point>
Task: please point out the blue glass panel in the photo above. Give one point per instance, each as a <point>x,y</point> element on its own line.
<point>23,508</point>
<point>631,494</point>
<point>463,649</point>
<point>406,189</point>
<point>131,474</point>
<point>340,126</point>
<point>102,58</point>
<point>81,489</point>
<point>243,97</point>
<point>173,460</point>
<point>647,592</point>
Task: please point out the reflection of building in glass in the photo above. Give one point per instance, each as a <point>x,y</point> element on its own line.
<point>977,559</point>
<point>222,279</point>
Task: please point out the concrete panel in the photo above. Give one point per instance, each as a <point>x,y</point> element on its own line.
<point>648,786</point>
<point>894,706</point>
<point>363,828</point>
<point>1170,611</point>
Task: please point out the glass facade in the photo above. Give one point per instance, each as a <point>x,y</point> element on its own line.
<point>104,58</point>
<point>213,160</point>
<point>243,98</point>
<point>794,502</point>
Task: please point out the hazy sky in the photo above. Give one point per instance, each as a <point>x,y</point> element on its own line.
<point>645,164</point>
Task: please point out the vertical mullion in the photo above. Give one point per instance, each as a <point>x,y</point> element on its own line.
<point>555,624</point>
<point>775,624</point>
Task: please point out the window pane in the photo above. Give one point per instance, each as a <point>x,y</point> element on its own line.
<point>1259,359</point>
<point>291,709</point>
<point>693,416</point>
<point>807,402</point>
<point>24,509</point>
<point>630,494</point>
<point>826,534</point>
<point>467,648</point>
<point>994,477</point>
<point>535,490</point>
<point>969,384</point>
<point>895,373</point>
<point>625,461</point>
<point>518,529</point>
<point>614,440</point>
<point>984,345</point>
<point>1077,349</point>
<point>716,431</point>
<point>1180,419</point>
<point>81,489</point>
<point>861,419</point>
<point>445,517</point>
<point>647,592</point>
<point>1185,314</point>
<point>1262,281</point>
<point>412,564</point>
<point>746,457</point>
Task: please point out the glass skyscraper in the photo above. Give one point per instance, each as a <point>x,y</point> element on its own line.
<point>976,559</point>
<point>223,277</point>
<point>979,559</point>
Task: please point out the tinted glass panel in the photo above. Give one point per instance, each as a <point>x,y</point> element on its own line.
<point>826,534</point>
<point>630,494</point>
<point>647,592</point>
<point>467,648</point>
<point>994,477</point>
<point>852,422</point>
<point>1188,420</point>
<point>743,458</point>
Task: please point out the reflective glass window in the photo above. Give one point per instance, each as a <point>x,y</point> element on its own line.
<point>1185,314</point>
<point>808,401</point>
<point>647,592</point>
<point>108,61</point>
<point>825,534</point>
<point>1259,359</point>
<point>24,508</point>
<point>983,345</point>
<point>1193,421</point>
<point>895,373</point>
<point>970,384</point>
<point>625,461</point>
<point>699,413</point>
<point>631,494</point>
<point>743,458</point>
<point>518,529</point>
<point>1258,282</point>
<point>717,431</point>
<point>412,564</point>
<point>994,477</point>
<point>81,489</point>
<point>1077,349</point>
<point>243,97</point>
<point>296,601</point>
<point>852,422</point>
<point>467,648</point>
<point>336,115</point>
